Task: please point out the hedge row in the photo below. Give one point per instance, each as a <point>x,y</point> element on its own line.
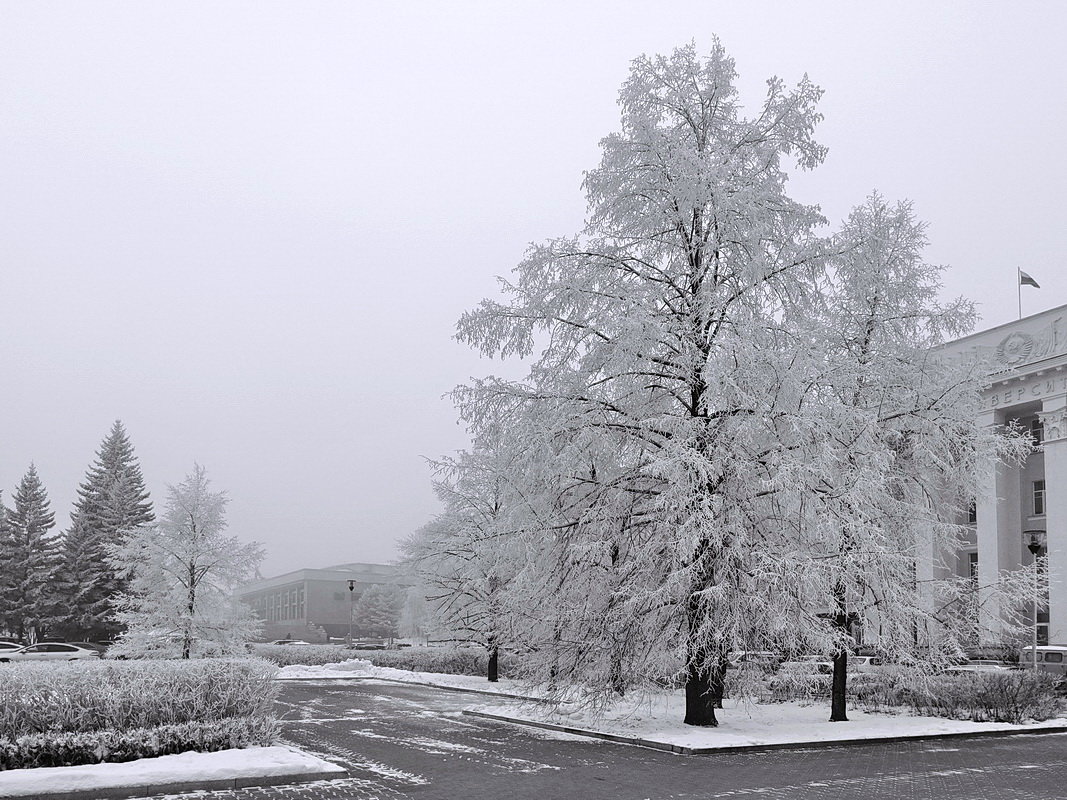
<point>121,695</point>
<point>452,660</point>
<point>285,655</point>
<point>87,712</point>
<point>1011,696</point>
<point>69,748</point>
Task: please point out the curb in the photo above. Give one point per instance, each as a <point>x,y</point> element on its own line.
<point>215,784</point>
<point>749,748</point>
<point>422,683</point>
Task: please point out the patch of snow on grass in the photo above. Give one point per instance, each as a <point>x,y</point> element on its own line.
<point>252,762</point>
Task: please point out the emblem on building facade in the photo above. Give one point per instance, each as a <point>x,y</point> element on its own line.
<point>1015,348</point>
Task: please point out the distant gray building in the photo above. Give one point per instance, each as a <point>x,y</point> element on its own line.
<point>313,604</point>
<point>1023,508</point>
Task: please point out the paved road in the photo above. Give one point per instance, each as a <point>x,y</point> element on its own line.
<point>413,742</point>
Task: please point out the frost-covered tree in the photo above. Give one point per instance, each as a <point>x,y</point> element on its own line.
<point>462,558</point>
<point>663,324</point>
<point>897,451</point>
<point>377,612</point>
<point>111,502</point>
<point>28,560</point>
<point>181,574</point>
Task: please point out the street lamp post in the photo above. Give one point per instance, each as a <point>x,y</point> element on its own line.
<point>351,608</point>
<point>1034,546</point>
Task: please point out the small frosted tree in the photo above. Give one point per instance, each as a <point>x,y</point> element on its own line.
<point>181,575</point>
<point>28,560</point>
<point>378,610</point>
<point>897,451</point>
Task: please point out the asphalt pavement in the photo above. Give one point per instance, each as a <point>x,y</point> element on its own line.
<point>414,742</point>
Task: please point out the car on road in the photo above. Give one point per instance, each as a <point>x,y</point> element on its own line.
<point>289,641</point>
<point>50,651</point>
<point>8,647</point>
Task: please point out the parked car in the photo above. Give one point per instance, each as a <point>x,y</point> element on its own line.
<point>979,665</point>
<point>865,663</point>
<point>8,647</point>
<point>816,665</point>
<point>289,641</point>
<point>1050,658</point>
<point>370,643</point>
<point>760,659</point>
<point>50,651</point>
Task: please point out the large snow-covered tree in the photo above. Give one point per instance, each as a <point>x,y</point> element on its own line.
<point>28,559</point>
<point>181,574</point>
<point>111,502</point>
<point>663,330</point>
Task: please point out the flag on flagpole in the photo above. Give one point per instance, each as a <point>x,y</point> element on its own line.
<point>1026,280</point>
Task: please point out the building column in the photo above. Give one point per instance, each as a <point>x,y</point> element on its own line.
<point>1054,420</point>
<point>994,522</point>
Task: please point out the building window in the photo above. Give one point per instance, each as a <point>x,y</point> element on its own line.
<point>972,559</point>
<point>972,513</point>
<point>1037,431</point>
<point>1039,498</point>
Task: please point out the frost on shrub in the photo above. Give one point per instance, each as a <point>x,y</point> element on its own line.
<point>87,712</point>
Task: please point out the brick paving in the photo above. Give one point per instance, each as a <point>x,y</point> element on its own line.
<point>413,742</point>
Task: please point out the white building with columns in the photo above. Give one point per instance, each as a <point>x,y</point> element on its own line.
<point>1028,503</point>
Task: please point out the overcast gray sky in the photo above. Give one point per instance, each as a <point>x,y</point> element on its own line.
<point>248,229</point>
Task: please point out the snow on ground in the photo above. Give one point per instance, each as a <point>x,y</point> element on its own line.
<point>361,668</point>
<point>658,717</point>
<point>252,762</point>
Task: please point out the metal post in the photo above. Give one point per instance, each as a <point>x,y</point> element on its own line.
<point>1035,547</point>
<point>351,608</point>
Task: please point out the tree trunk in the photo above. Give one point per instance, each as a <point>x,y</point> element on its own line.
<point>838,691</point>
<point>187,638</point>
<point>700,699</point>
<point>703,678</point>
<point>839,687</point>
<point>492,671</point>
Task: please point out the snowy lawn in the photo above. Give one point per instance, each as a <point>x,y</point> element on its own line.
<point>658,718</point>
<point>253,762</point>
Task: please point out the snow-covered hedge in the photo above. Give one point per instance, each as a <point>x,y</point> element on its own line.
<point>452,660</point>
<point>1014,696</point>
<point>86,712</point>
<point>285,655</point>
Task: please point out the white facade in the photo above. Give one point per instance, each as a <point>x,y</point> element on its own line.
<point>1027,503</point>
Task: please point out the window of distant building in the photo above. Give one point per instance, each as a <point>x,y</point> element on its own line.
<point>1039,498</point>
<point>1037,431</point>
<point>972,513</point>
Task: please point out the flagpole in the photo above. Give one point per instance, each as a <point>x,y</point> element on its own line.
<point>1019,288</point>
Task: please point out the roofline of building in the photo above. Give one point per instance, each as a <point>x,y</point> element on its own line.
<point>985,331</point>
<point>338,573</point>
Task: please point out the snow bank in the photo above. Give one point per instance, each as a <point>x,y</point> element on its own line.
<point>253,762</point>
